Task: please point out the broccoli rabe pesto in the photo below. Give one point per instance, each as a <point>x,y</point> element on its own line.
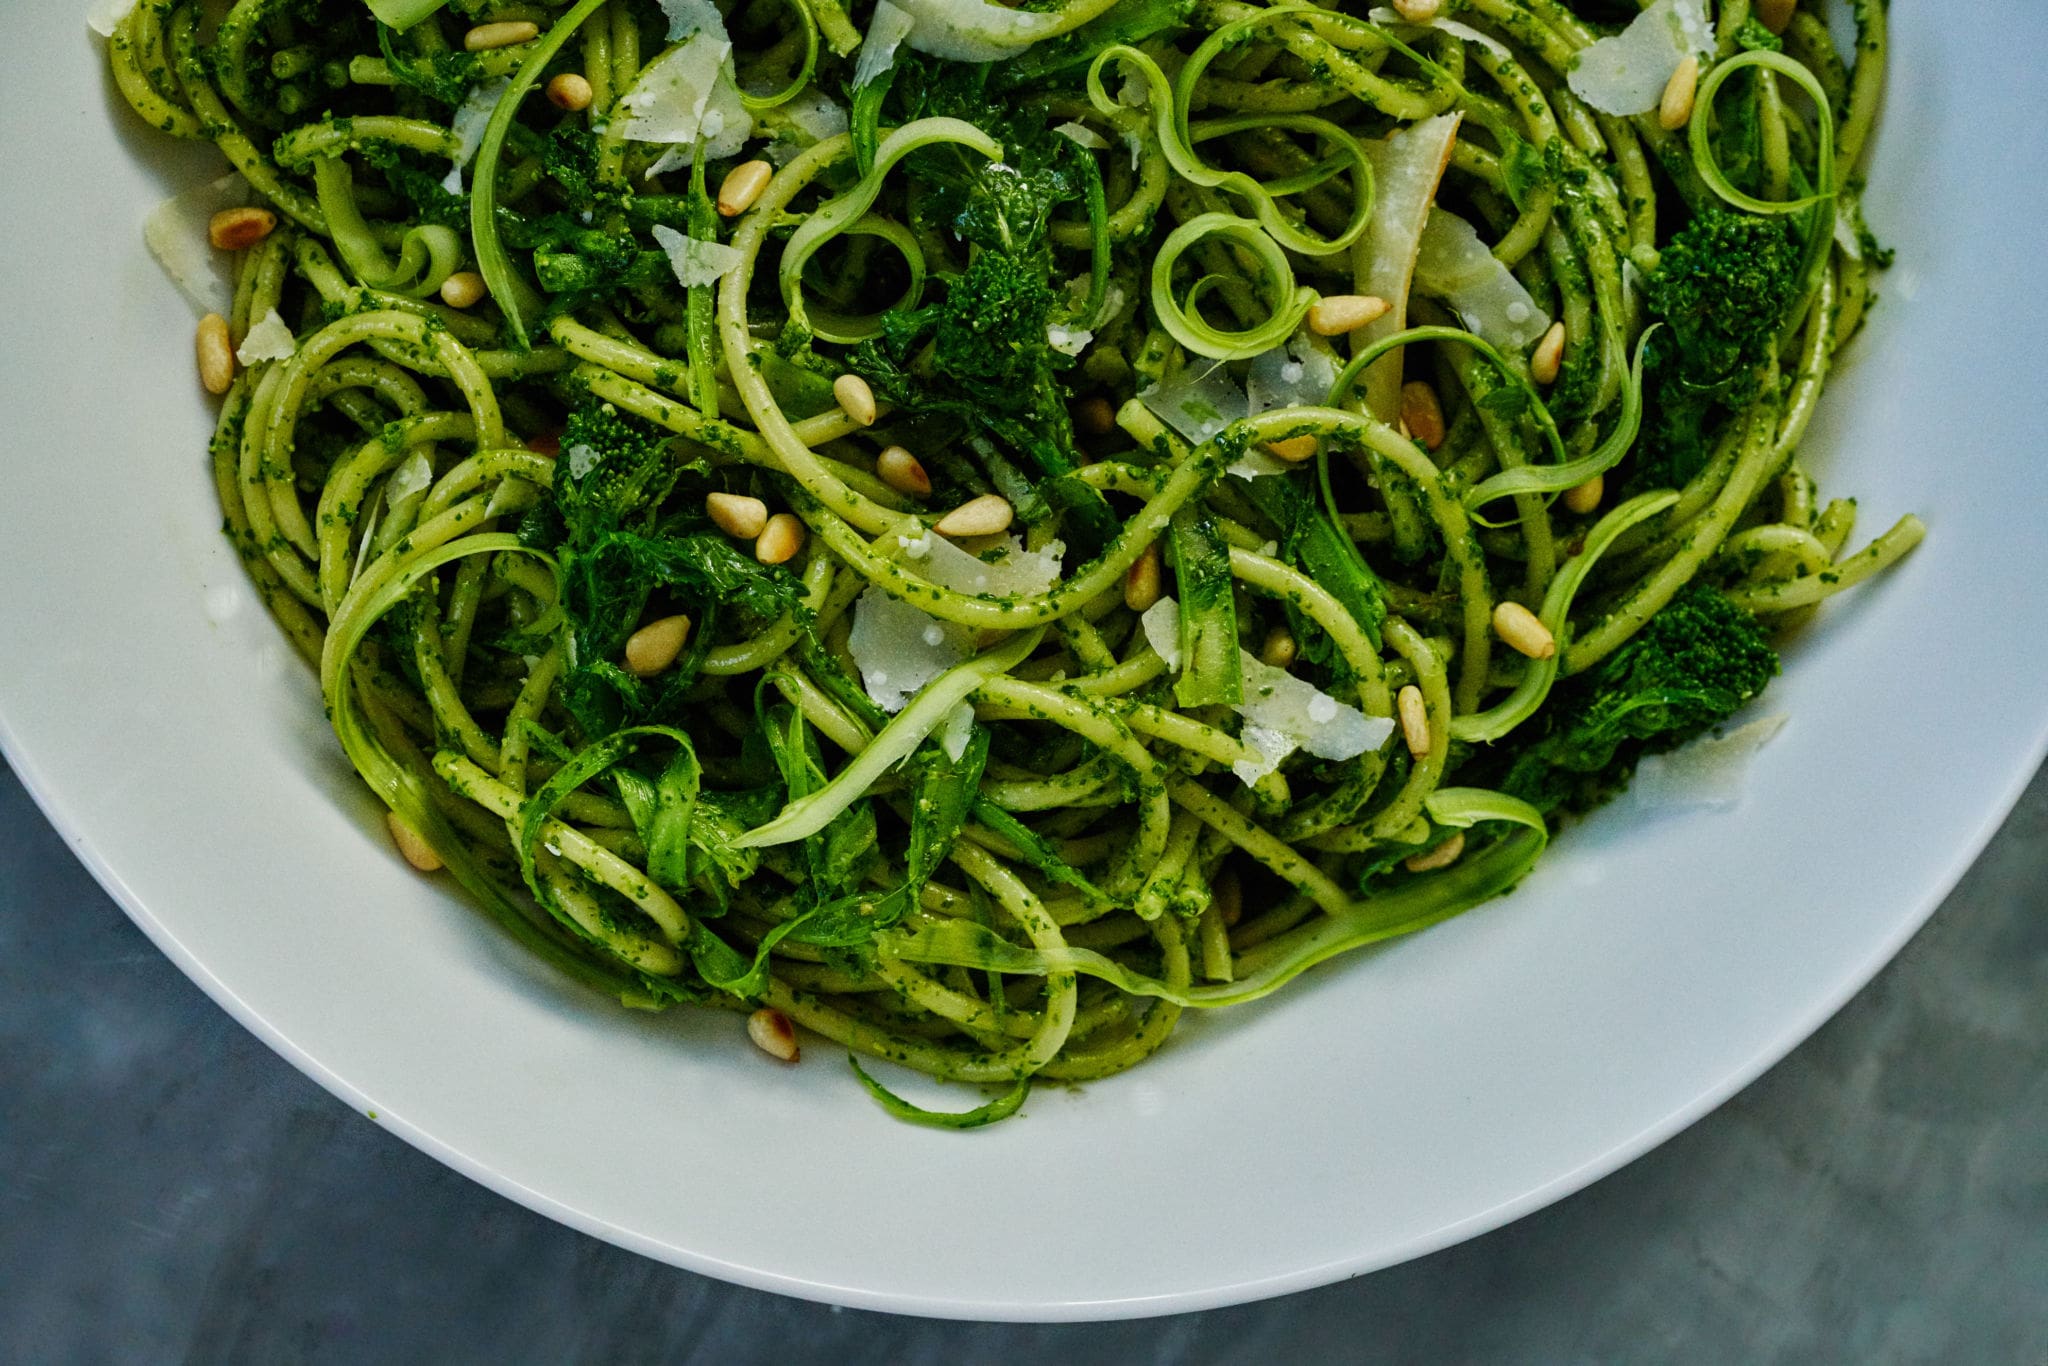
<point>970,531</point>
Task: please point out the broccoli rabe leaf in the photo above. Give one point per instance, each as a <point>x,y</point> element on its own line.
<point>616,550</point>
<point>1310,543</point>
<point>980,353</point>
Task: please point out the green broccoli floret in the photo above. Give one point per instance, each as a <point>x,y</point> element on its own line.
<point>991,332</point>
<point>1689,668</point>
<point>614,472</point>
<point>1722,289</point>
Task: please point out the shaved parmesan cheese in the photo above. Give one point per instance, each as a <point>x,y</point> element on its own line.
<point>1256,464</point>
<point>106,15</point>
<point>175,233</point>
<point>469,125</point>
<point>1198,407</point>
<point>511,495</point>
<point>1068,341</point>
<point>898,649</point>
<point>801,122</point>
<point>1712,771</point>
<point>1082,134</point>
<point>956,730</point>
<point>1314,720</point>
<point>886,32</point>
<point>1271,746</point>
<point>688,93</point>
<point>686,17</point>
<point>1452,264</point>
<point>1009,570</point>
<point>973,30</point>
<point>1627,73</point>
<point>269,339</point>
<point>581,460</point>
<point>1161,624</point>
<point>1407,167</point>
<point>409,480</point>
<point>1297,375</point>
<point>696,262</point>
<point>1282,713</point>
<point>1387,18</point>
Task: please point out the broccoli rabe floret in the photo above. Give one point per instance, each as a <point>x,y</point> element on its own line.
<point>991,333</point>
<point>1689,668</point>
<point>1722,289</point>
<point>615,470</point>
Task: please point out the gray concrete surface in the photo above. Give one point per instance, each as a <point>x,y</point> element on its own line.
<point>172,1191</point>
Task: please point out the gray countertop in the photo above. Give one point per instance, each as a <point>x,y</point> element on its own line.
<point>172,1191</point>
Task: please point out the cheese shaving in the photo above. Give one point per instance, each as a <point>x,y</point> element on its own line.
<point>696,262</point>
<point>1161,624</point>
<point>878,47</point>
<point>106,15</point>
<point>470,123</point>
<point>1387,18</point>
<point>409,480</point>
<point>898,648</point>
<point>1009,570</point>
<point>1282,713</point>
<point>1712,771</point>
<point>1626,74</point>
<point>1453,264</point>
<point>1200,407</point>
<point>688,94</point>
<point>269,339</point>
<point>175,233</point>
<point>973,30</point>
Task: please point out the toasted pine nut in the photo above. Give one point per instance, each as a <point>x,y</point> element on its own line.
<point>1279,650</point>
<point>1775,14</point>
<point>1292,449</point>
<point>1417,11</point>
<point>1226,894</point>
<point>1675,109</point>
<point>1422,414</point>
<point>855,398</point>
<point>773,1033</point>
<point>1414,720</point>
<point>780,540</point>
<point>1522,631</point>
<point>1583,498</point>
<point>1443,856</point>
<point>983,516</point>
<point>1336,314</point>
<point>570,91</point>
<point>736,514</point>
<point>904,472</point>
<point>240,229</point>
<point>742,186</point>
<point>1141,581</point>
<point>506,33</point>
<point>1094,417</point>
<point>463,289</point>
<point>416,850</point>
<point>1548,358</point>
<point>655,646</point>
<point>216,354</point>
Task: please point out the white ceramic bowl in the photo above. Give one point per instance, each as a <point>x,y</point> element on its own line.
<point>1390,1104</point>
